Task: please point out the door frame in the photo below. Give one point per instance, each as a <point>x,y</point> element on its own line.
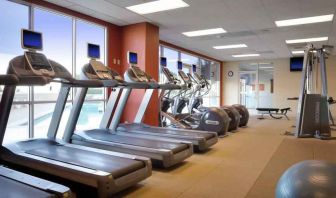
<point>256,86</point>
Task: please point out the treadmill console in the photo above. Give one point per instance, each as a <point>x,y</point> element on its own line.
<point>116,75</point>
<point>169,75</point>
<point>132,59</point>
<point>198,77</point>
<point>103,72</point>
<point>37,62</point>
<point>100,70</point>
<point>139,74</point>
<point>184,77</point>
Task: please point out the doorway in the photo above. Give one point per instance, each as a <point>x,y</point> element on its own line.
<point>256,85</point>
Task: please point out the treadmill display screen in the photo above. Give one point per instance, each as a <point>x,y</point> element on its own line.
<point>132,58</point>
<point>31,40</point>
<point>179,65</point>
<point>93,51</point>
<point>194,68</point>
<point>163,61</point>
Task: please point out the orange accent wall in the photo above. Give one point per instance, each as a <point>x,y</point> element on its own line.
<point>142,38</point>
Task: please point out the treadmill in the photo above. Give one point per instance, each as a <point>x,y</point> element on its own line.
<point>107,172</point>
<point>162,153</point>
<point>201,140</point>
<point>14,184</point>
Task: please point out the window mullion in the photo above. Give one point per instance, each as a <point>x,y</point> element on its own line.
<point>74,44</point>
<point>31,89</point>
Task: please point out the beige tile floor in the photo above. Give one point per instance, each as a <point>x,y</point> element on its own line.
<point>230,169</point>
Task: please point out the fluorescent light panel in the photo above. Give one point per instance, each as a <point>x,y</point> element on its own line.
<point>205,32</point>
<point>245,55</point>
<point>157,6</point>
<point>230,46</point>
<point>306,20</point>
<point>307,40</point>
<point>298,52</point>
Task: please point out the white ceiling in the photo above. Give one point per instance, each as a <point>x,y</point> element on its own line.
<point>247,21</point>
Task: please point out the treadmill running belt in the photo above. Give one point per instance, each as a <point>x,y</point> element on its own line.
<point>118,166</point>
<point>13,189</point>
<point>101,134</point>
<point>161,130</point>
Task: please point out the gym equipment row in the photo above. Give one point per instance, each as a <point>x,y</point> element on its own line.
<point>108,159</point>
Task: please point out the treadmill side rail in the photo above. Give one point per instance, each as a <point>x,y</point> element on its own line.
<point>59,190</point>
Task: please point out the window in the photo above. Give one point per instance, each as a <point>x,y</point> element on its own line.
<point>189,59</point>
<point>61,33</point>
<point>57,46</point>
<point>172,58</point>
<point>17,17</point>
<point>89,33</point>
<point>210,69</point>
<point>90,116</point>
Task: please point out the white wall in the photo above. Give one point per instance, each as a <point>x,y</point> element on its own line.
<point>286,83</point>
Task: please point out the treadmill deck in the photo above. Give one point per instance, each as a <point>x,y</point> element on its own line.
<point>105,135</point>
<point>49,149</point>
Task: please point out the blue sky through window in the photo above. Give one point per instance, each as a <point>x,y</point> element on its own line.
<point>13,17</point>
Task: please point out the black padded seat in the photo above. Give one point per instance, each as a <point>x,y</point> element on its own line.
<point>268,109</point>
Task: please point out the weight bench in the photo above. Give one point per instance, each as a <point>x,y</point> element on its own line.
<point>275,113</point>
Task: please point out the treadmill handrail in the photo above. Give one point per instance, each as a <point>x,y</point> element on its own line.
<point>35,182</point>
<point>8,79</point>
<point>169,86</point>
<point>137,85</point>
<point>83,83</point>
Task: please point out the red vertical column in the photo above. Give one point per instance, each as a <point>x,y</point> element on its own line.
<point>142,38</point>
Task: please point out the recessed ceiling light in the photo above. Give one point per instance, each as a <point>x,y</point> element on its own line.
<point>157,6</point>
<point>245,55</point>
<point>307,40</point>
<point>230,46</point>
<point>298,52</point>
<point>205,32</point>
<point>306,20</point>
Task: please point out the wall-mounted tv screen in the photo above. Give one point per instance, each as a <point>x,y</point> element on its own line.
<point>179,65</point>
<point>296,63</point>
<point>163,61</point>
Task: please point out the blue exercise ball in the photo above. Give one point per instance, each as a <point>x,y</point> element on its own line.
<point>310,178</point>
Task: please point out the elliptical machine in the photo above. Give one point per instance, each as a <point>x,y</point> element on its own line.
<point>244,114</point>
<point>212,119</point>
<point>203,87</point>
